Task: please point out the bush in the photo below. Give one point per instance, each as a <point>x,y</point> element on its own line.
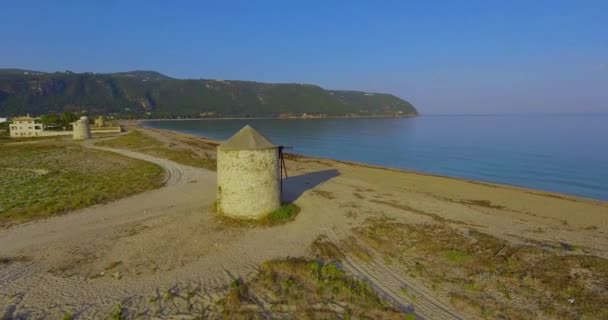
<point>283,214</point>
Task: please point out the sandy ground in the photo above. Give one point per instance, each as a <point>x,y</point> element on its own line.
<point>166,241</point>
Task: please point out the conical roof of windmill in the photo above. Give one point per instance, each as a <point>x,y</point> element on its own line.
<point>247,139</point>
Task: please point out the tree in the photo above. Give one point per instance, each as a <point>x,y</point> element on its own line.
<point>51,119</point>
<point>4,128</point>
<point>67,118</point>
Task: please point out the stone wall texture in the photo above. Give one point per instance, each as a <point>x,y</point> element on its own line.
<point>82,129</point>
<point>248,183</point>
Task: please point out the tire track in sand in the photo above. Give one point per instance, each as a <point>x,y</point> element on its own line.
<point>390,285</point>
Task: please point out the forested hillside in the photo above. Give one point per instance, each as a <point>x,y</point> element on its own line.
<point>154,95</point>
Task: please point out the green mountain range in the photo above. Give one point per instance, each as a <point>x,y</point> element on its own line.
<point>149,94</point>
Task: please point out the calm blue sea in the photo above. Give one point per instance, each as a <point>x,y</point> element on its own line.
<point>561,153</point>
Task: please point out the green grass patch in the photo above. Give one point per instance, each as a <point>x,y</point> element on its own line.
<point>118,313</point>
<point>68,316</point>
<point>44,179</point>
<point>456,256</point>
<point>132,140</point>
<point>283,214</point>
<point>140,142</point>
<point>296,288</point>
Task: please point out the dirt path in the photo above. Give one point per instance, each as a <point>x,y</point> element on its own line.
<point>62,254</point>
<point>160,242</point>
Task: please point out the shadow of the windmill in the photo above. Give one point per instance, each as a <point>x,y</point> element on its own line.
<point>294,187</point>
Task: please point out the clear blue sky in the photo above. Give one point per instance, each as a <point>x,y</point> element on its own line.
<point>444,56</point>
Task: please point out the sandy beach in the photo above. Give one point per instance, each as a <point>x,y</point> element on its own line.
<point>168,240</point>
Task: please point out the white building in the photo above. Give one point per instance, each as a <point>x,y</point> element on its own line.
<point>25,127</point>
<point>28,127</point>
<point>2,120</point>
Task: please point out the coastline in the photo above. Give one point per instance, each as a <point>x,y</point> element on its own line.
<point>570,197</point>
<point>283,118</point>
<point>518,206</point>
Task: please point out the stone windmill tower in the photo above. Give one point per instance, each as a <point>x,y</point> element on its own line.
<point>248,175</point>
<point>82,129</point>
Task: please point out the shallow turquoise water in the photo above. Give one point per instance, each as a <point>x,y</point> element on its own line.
<point>561,153</point>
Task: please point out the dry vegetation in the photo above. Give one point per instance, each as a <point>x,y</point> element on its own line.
<point>492,277</point>
<point>290,288</point>
<point>6,139</point>
<point>140,142</point>
<point>48,178</point>
<point>304,289</point>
